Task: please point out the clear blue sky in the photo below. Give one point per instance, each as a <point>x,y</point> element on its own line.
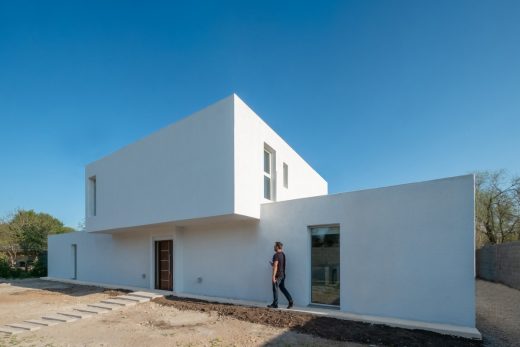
<point>370,93</point>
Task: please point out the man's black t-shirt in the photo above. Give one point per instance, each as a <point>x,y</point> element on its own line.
<point>280,257</point>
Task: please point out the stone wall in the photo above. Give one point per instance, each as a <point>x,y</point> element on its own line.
<point>500,263</point>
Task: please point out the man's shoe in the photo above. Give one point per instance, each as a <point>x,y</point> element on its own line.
<point>290,305</point>
<point>272,306</point>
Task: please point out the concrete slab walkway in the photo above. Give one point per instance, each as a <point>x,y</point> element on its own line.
<point>77,313</point>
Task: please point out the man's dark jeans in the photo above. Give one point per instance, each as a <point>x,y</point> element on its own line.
<point>280,283</point>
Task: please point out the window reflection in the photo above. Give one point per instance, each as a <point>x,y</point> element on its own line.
<point>325,265</point>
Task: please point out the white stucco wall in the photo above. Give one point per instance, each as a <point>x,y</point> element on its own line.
<point>183,171</point>
<point>406,252</point>
<point>251,133</point>
<point>207,164</point>
<point>118,259</point>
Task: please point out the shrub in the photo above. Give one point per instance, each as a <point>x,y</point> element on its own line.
<point>5,269</point>
<point>39,269</point>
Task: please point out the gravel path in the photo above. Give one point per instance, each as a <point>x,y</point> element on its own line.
<point>498,314</point>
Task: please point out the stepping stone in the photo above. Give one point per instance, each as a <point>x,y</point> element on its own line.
<point>78,315</point>
<point>60,318</point>
<point>92,310</point>
<point>43,322</point>
<point>11,330</point>
<point>105,306</point>
<point>145,295</point>
<point>133,298</point>
<point>24,326</point>
<point>119,302</point>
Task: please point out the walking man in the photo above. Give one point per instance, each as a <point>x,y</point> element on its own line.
<point>278,279</point>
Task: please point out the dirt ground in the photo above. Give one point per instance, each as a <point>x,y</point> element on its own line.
<point>147,324</point>
<point>180,322</point>
<point>498,314</point>
<point>330,328</point>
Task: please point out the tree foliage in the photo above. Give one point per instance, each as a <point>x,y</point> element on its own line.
<point>32,229</point>
<point>497,207</point>
<point>26,231</point>
<point>9,243</point>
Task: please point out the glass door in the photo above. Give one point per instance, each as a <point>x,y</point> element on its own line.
<point>325,265</point>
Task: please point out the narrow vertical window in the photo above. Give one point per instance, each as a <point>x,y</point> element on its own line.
<point>285,175</point>
<point>267,175</point>
<point>267,162</point>
<point>92,195</point>
<point>75,261</point>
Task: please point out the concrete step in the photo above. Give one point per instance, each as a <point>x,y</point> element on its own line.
<point>43,322</point>
<point>60,318</point>
<point>118,302</point>
<point>24,326</point>
<point>133,298</point>
<point>78,315</point>
<point>11,331</point>
<point>105,306</point>
<point>145,295</point>
<point>91,310</point>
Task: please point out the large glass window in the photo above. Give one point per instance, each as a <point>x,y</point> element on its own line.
<point>325,265</point>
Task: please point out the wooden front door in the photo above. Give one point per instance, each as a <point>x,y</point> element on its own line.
<point>164,265</point>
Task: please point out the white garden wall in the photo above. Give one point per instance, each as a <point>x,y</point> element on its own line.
<point>406,251</point>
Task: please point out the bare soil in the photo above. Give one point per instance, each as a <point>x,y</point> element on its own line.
<point>325,327</point>
<point>147,324</point>
<point>151,324</point>
<point>181,322</point>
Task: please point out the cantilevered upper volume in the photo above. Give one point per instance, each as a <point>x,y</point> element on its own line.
<point>222,162</point>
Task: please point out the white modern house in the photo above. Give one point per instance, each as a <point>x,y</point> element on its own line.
<point>196,207</point>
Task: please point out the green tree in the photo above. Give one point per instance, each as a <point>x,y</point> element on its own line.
<point>9,243</point>
<point>29,230</point>
<point>497,207</point>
